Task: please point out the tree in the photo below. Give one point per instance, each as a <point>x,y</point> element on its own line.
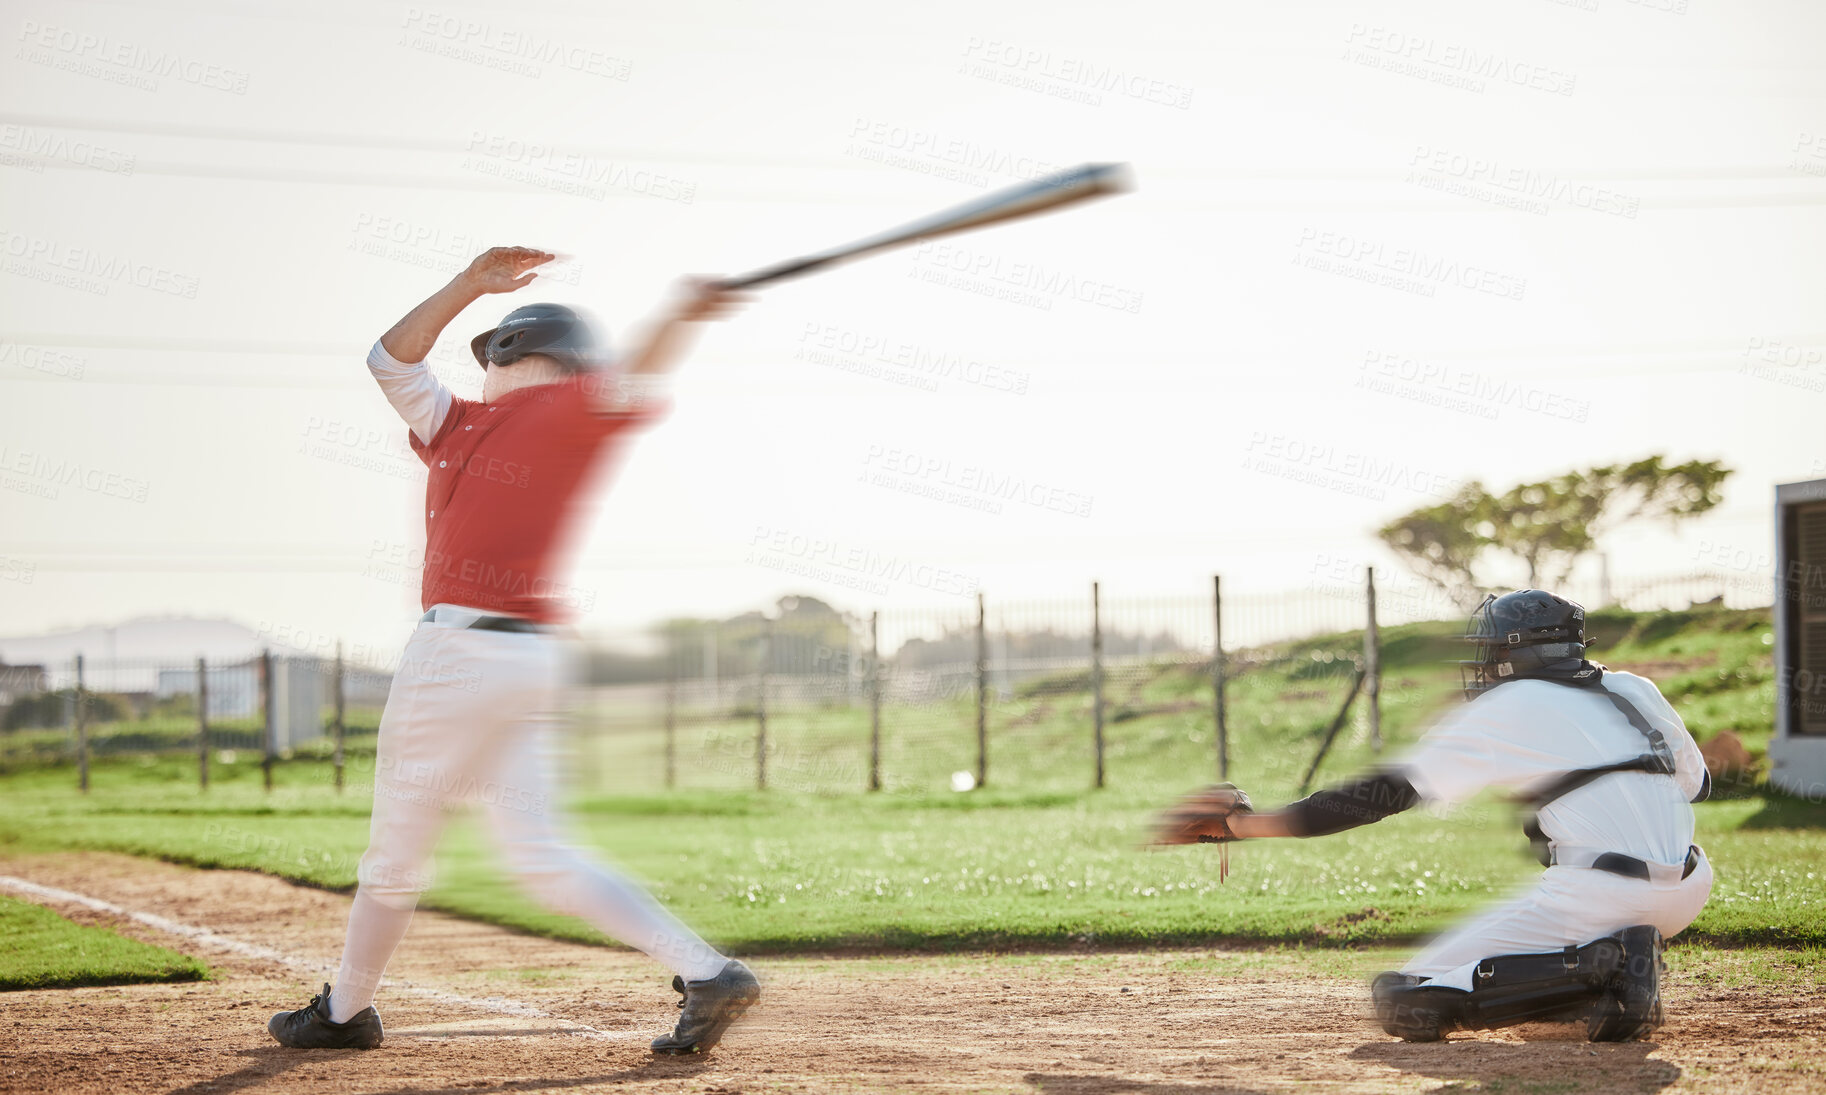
<point>1441,543</point>
<point>1547,525</point>
<point>805,633</point>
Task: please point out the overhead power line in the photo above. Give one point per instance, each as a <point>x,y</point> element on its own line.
<point>1765,173</point>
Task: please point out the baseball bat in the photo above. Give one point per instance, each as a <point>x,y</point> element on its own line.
<point>1056,191</point>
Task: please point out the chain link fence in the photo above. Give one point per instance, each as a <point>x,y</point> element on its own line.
<point>1039,695</point>
<point>263,708</point>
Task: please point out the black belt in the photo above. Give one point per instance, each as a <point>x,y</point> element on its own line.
<point>493,623</point>
<point>1630,867</point>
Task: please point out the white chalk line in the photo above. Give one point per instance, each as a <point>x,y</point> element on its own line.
<point>498,1005</point>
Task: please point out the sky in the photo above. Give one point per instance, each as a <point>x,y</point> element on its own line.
<point>1375,251</point>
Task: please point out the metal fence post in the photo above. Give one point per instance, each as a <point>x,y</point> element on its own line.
<point>851,685</point>
<point>672,723</point>
<point>1217,677</point>
<point>202,724</point>
<point>339,716</point>
<point>1331,732</point>
<point>1097,675</point>
<point>712,636</point>
<point>266,716</point>
<point>875,701</point>
<point>1372,665</point>
<point>760,707</point>
<point>982,695</point>
<point>82,729</point>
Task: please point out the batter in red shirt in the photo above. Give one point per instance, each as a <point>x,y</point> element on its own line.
<point>473,711</point>
<point>503,474</point>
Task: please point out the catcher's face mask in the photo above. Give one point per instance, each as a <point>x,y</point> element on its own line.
<point>1476,673</point>
<point>1527,633</point>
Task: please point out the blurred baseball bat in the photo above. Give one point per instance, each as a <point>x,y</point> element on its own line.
<point>1056,191</point>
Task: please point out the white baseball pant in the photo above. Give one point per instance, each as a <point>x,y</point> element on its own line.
<point>473,717</point>
<point>1569,906</point>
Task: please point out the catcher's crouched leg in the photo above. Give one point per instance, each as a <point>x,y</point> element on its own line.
<point>1613,983</point>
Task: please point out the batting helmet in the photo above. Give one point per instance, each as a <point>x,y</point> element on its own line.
<point>551,329</point>
<point>1527,633</point>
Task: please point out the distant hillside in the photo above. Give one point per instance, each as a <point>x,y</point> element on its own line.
<point>167,638</point>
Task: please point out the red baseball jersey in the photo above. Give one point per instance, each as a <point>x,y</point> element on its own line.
<point>504,483</point>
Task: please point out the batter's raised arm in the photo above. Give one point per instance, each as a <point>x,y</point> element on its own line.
<point>496,270</point>
<point>699,301</point>
<point>397,361</point>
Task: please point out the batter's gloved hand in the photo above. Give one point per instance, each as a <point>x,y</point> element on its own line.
<point>702,299</point>
<point>1203,817</point>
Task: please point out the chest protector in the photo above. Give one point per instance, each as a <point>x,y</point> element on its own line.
<point>1659,759</point>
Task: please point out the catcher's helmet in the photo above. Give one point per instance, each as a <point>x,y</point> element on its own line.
<point>1527,633</point>
<point>551,329</point>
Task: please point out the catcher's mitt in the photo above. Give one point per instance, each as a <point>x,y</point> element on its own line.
<point>1203,817</point>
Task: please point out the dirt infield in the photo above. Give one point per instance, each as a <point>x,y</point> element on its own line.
<point>486,1010</point>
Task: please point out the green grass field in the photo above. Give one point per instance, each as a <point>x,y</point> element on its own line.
<point>44,951</point>
<point>238,739</point>
<point>1035,858</point>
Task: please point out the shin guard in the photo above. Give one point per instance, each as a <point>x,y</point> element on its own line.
<point>1528,988</point>
<point>1506,990</point>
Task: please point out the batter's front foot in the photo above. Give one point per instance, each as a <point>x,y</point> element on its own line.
<point>310,1028</point>
<point>709,1008</point>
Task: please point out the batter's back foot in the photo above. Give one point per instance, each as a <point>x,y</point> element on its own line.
<point>709,1008</point>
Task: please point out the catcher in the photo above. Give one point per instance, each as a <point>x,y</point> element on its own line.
<point>1606,771</point>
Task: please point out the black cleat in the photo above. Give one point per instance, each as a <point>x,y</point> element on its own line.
<point>1415,1012</point>
<point>310,1028</point>
<point>1631,1005</point>
<point>709,1008</point>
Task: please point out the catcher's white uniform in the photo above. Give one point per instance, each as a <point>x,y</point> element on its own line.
<point>1522,737</point>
